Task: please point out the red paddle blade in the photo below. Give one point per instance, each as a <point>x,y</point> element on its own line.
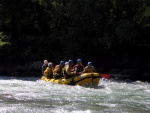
<point>105,75</point>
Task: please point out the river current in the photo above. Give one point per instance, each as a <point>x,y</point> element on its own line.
<point>32,95</point>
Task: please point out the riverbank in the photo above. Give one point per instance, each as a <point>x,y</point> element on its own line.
<point>27,70</point>
<point>34,70</point>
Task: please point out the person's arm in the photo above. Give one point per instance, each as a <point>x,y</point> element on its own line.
<point>82,67</point>
<point>75,70</point>
<point>93,69</point>
<point>84,70</point>
<point>43,69</point>
<point>55,71</point>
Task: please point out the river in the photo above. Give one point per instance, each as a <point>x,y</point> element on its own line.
<point>31,95</point>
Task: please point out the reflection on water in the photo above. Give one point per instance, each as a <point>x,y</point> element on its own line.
<point>28,95</point>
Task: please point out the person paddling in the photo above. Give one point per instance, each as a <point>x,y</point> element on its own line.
<point>44,66</point>
<point>48,73</point>
<point>79,67</point>
<point>58,70</point>
<point>89,68</point>
<point>68,70</point>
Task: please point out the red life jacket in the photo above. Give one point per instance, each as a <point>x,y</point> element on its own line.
<point>79,68</point>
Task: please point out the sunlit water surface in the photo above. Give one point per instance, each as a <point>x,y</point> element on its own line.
<point>31,95</point>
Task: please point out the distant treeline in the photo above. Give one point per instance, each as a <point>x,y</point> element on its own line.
<point>93,30</point>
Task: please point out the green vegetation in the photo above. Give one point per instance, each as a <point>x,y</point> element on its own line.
<point>62,29</point>
<point>147,11</point>
<point>4,43</point>
<point>2,37</point>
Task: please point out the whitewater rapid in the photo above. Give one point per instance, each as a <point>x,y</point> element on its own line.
<point>32,95</point>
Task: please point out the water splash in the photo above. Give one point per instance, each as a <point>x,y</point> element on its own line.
<point>28,95</point>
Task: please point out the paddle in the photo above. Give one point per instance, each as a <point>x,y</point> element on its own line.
<point>105,75</point>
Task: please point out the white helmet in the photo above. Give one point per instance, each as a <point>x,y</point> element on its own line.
<point>66,63</point>
<point>45,61</point>
<point>50,64</point>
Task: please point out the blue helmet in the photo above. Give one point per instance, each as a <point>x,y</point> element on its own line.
<point>89,63</point>
<point>70,61</point>
<point>79,60</point>
<point>62,62</point>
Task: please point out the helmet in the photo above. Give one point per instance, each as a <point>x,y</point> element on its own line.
<point>70,61</point>
<point>62,62</point>
<point>50,64</point>
<point>66,63</point>
<point>79,60</point>
<point>89,63</point>
<point>45,62</point>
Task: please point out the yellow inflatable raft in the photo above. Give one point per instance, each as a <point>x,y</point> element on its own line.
<point>82,80</point>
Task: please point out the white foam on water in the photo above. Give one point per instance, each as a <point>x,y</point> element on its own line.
<point>27,95</point>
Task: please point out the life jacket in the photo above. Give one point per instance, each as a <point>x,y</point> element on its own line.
<point>89,69</point>
<point>58,70</point>
<point>50,74</point>
<point>78,68</point>
<point>68,70</point>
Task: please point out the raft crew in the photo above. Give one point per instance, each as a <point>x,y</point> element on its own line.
<point>89,68</point>
<point>58,70</point>
<point>79,67</point>
<point>44,66</point>
<point>49,71</point>
<point>66,69</point>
